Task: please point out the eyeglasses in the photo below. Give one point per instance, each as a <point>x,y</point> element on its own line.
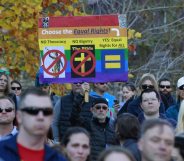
<point>34,110</point>
<point>6,110</point>
<point>77,83</point>
<point>14,88</point>
<point>145,86</point>
<point>98,107</point>
<point>164,86</point>
<point>181,87</point>
<point>102,83</point>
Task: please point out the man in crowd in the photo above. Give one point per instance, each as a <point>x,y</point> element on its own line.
<point>157,140</point>
<point>63,109</point>
<point>100,127</point>
<point>172,111</point>
<point>34,116</point>
<point>150,103</point>
<point>7,116</point>
<point>165,90</point>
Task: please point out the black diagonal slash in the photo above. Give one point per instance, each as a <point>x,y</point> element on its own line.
<point>54,62</point>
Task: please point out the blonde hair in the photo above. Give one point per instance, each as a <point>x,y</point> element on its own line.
<point>148,76</point>
<point>180,123</point>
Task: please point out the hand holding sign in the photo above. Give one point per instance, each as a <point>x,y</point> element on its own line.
<point>85,91</point>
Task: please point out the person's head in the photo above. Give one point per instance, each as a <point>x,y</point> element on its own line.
<point>16,87</point>
<point>7,110</point>
<point>157,140</point>
<point>178,152</point>
<point>165,86</point>
<point>127,132</point>
<point>148,81</point>
<point>4,82</point>
<point>35,112</point>
<point>128,91</point>
<point>100,109</point>
<point>100,87</point>
<point>76,87</point>
<point>76,143</point>
<point>180,122</point>
<point>150,102</point>
<point>180,89</point>
<point>116,154</point>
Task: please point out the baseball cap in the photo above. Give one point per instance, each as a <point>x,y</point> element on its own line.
<point>180,82</point>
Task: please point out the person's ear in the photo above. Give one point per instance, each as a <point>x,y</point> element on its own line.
<point>91,109</point>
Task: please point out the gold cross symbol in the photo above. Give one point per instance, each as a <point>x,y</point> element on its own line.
<point>81,59</point>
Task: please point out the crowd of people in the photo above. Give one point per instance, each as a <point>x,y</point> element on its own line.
<point>147,124</point>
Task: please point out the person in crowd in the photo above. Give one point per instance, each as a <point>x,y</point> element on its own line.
<point>16,87</point>
<point>101,90</point>
<point>100,127</point>
<point>116,154</point>
<point>157,140</point>
<point>128,93</point>
<point>178,151</point>
<point>150,103</point>
<point>180,122</point>
<point>46,87</point>
<point>172,111</point>
<point>127,131</point>
<point>76,143</point>
<point>147,81</point>
<point>7,116</point>
<point>34,117</point>
<point>63,109</point>
<point>5,85</point>
<point>165,89</point>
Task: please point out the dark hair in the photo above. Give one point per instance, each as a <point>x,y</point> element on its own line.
<point>8,98</point>
<point>163,79</point>
<point>111,150</point>
<point>31,91</point>
<point>71,131</point>
<point>130,86</point>
<point>127,126</point>
<point>149,91</point>
<point>149,124</point>
<point>16,82</point>
<point>179,143</point>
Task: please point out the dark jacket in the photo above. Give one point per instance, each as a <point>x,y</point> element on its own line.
<point>167,99</point>
<point>134,107</point>
<point>9,151</point>
<point>141,119</point>
<point>62,112</point>
<point>172,112</point>
<point>131,145</point>
<point>125,106</point>
<point>102,134</point>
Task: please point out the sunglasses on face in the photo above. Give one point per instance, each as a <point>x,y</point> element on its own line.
<point>145,86</point>
<point>98,107</point>
<point>164,86</point>
<point>102,83</point>
<point>181,87</point>
<point>78,83</point>
<point>34,111</point>
<point>6,110</point>
<point>14,88</point>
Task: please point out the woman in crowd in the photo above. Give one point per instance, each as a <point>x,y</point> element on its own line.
<point>76,143</point>
<point>180,123</point>
<point>16,87</point>
<point>127,131</point>
<point>116,154</point>
<point>128,93</point>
